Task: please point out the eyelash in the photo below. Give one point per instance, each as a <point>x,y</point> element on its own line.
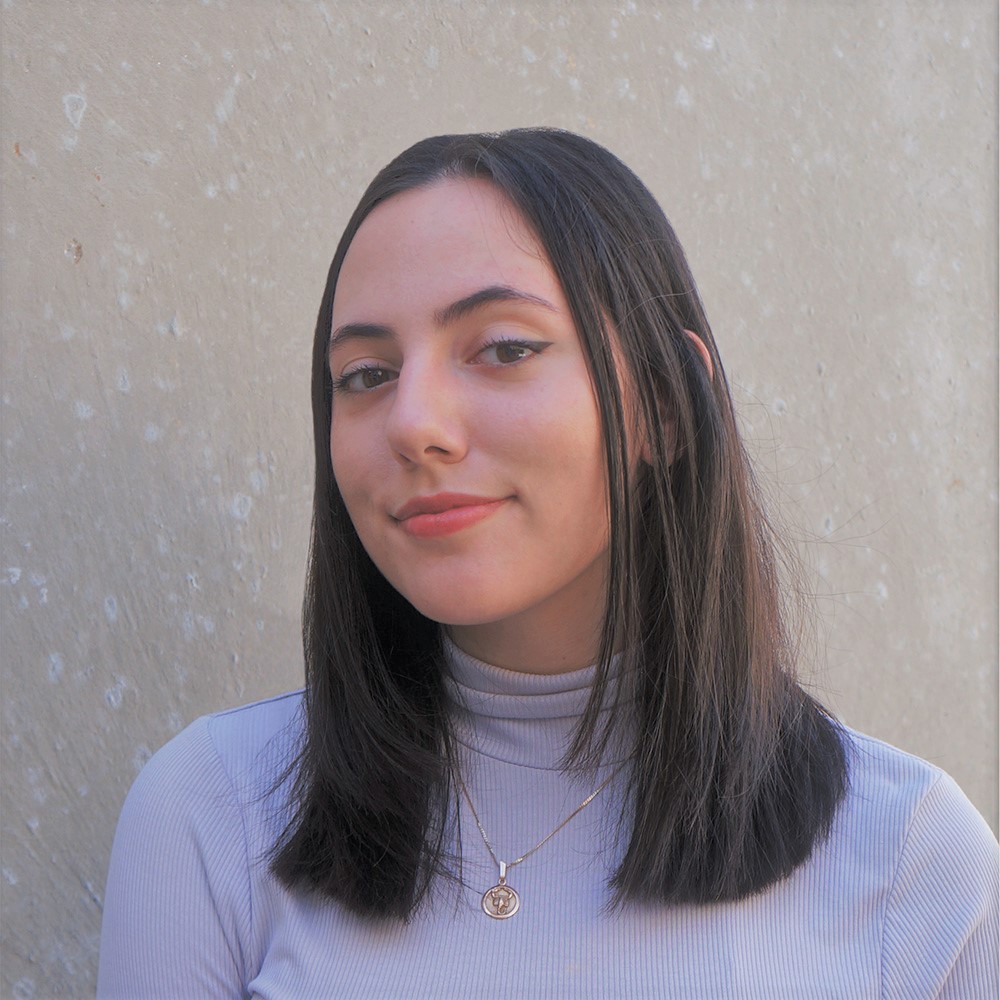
<point>342,383</point>
<point>533,347</point>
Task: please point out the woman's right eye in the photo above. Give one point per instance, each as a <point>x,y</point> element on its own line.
<point>363,379</point>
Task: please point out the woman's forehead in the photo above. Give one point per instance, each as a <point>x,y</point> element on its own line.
<point>456,207</point>
<point>437,242</point>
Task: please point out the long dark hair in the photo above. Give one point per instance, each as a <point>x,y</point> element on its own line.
<point>736,772</point>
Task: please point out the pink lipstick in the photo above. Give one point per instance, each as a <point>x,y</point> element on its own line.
<point>444,513</point>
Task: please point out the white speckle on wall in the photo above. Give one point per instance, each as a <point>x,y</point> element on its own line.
<point>152,433</point>
<point>74,105</point>
<point>56,667</point>
<point>113,695</point>
<point>225,107</point>
<point>683,99</point>
<point>84,411</point>
<point>258,482</point>
<point>241,506</point>
<point>24,989</point>
<point>171,326</point>
<point>111,609</point>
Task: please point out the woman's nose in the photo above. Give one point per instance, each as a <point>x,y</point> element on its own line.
<point>425,421</point>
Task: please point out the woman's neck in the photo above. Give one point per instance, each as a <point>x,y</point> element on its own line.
<point>530,648</point>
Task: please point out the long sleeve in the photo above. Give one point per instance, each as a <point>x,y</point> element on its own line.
<point>178,899</point>
<point>940,936</point>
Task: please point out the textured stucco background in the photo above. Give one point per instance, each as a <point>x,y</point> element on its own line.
<point>175,175</point>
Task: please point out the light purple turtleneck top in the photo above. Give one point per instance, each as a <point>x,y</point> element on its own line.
<point>900,901</point>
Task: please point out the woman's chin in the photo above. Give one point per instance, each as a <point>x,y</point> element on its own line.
<point>460,609</point>
<point>459,617</point>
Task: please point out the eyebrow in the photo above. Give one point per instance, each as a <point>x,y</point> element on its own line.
<point>443,317</point>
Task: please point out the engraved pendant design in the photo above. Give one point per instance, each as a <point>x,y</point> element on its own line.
<point>501,901</point>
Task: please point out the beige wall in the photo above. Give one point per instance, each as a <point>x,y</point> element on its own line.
<point>175,175</point>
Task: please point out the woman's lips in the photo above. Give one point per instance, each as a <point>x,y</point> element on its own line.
<point>444,514</point>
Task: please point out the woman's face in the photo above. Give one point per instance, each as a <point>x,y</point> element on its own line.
<point>465,435</point>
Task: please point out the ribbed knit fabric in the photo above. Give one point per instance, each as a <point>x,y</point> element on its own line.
<point>900,902</point>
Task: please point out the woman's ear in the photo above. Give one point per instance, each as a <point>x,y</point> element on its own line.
<point>703,351</point>
<point>671,430</point>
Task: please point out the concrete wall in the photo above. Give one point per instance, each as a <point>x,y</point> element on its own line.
<point>175,175</point>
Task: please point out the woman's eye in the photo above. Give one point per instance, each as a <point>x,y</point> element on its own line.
<point>510,352</point>
<point>363,379</point>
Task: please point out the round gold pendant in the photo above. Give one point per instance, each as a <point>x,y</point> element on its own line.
<point>501,902</point>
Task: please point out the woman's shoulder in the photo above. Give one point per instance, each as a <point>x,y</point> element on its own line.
<point>875,765</point>
<point>896,783</point>
<point>911,838</point>
<point>239,753</point>
<point>262,733</point>
<point>891,789</point>
<point>190,853</point>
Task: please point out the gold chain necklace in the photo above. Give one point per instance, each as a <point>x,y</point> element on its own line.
<point>501,900</point>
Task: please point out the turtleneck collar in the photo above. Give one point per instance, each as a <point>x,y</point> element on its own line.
<point>521,718</point>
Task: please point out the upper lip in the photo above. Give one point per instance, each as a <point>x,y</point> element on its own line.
<point>440,502</point>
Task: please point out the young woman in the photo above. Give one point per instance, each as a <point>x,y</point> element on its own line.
<point>551,742</point>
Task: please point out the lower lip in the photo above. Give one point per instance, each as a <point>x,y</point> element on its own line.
<point>448,521</point>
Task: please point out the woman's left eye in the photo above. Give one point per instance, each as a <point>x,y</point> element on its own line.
<point>510,352</point>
